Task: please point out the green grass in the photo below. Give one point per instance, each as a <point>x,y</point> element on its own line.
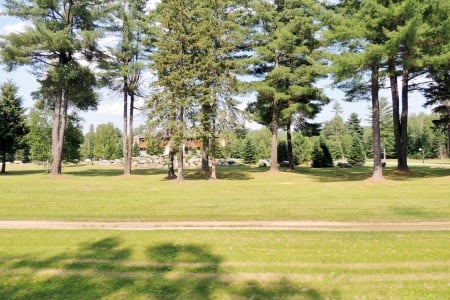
<point>91,264</point>
<point>243,193</point>
<point>237,264</point>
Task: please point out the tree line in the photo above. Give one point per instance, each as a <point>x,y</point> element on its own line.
<point>199,50</point>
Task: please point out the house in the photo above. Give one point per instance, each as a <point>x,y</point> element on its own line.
<point>191,143</point>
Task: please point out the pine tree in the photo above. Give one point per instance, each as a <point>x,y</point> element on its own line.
<point>123,69</point>
<point>282,151</point>
<point>321,156</point>
<point>438,97</point>
<point>353,126</point>
<point>249,154</point>
<point>12,126</point>
<point>288,51</point>
<point>356,151</point>
<point>62,33</point>
<point>356,31</point>
<point>195,70</point>
<point>335,132</point>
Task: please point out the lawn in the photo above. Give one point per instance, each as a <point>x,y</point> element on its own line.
<point>224,264</point>
<point>91,264</point>
<point>243,193</point>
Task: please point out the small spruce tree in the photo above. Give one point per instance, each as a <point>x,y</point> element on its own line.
<point>136,152</point>
<point>249,154</point>
<point>321,156</point>
<point>356,152</point>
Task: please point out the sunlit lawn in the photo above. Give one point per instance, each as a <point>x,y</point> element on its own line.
<point>91,264</point>
<point>238,264</point>
<point>242,193</point>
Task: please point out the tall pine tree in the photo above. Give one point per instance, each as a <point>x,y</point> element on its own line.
<point>287,49</point>
<point>62,32</point>
<point>12,126</point>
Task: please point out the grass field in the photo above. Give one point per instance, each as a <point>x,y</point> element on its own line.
<point>86,193</point>
<point>225,264</point>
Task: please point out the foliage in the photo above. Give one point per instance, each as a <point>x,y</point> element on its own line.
<point>73,139</point>
<point>438,95</point>
<point>123,69</point>
<point>353,126</point>
<point>12,126</point>
<point>249,153</point>
<point>39,137</point>
<point>261,140</point>
<point>24,154</point>
<point>288,53</point>
<point>282,151</point>
<point>302,148</point>
<point>154,145</point>
<point>136,152</point>
<point>424,137</point>
<point>335,132</point>
<point>237,148</point>
<point>60,34</point>
<point>356,153</point>
<point>107,141</point>
<point>321,156</point>
<point>87,148</point>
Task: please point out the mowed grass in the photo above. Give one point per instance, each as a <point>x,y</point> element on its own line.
<point>235,264</point>
<point>95,264</point>
<point>241,193</point>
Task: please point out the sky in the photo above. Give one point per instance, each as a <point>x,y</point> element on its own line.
<point>110,106</point>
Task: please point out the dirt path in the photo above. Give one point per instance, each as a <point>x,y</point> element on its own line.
<point>229,225</point>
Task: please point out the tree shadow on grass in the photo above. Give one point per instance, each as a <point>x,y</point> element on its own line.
<point>112,172</point>
<point>223,173</point>
<point>336,174</point>
<point>24,172</point>
<point>417,172</point>
<point>103,269</point>
<point>363,173</point>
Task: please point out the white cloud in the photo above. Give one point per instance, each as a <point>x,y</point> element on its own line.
<point>14,28</point>
<point>151,4</point>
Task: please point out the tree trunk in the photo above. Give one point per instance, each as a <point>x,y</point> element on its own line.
<point>377,163</point>
<point>58,131</point>
<point>206,113</point>
<point>205,154</point>
<point>180,160</point>
<point>274,142</point>
<point>180,139</point>
<point>170,169</point>
<point>395,107</point>
<point>213,175</point>
<point>3,171</point>
<point>403,158</point>
<point>130,134</point>
<point>400,121</point>
<point>290,152</point>
<point>126,164</point>
<point>447,145</point>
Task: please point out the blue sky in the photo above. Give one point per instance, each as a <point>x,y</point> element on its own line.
<point>110,107</point>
